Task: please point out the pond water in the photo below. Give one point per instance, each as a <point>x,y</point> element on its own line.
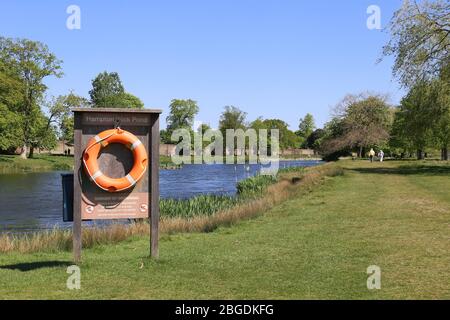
<point>33,201</point>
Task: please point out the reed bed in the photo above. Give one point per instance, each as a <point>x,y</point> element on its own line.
<point>200,205</point>
<point>201,214</point>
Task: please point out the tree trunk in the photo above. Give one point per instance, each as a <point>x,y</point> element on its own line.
<point>444,154</point>
<point>360,152</point>
<point>31,152</point>
<point>23,154</point>
<point>419,154</point>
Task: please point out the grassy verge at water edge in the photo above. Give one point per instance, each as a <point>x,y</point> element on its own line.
<point>48,162</point>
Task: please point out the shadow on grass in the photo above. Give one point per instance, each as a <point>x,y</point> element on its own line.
<point>36,265</point>
<point>428,170</point>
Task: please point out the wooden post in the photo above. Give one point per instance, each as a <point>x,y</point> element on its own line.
<point>154,187</point>
<point>77,237</point>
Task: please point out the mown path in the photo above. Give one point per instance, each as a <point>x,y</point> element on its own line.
<point>314,247</point>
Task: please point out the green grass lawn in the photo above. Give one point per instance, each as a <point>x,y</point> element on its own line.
<point>395,215</point>
<point>40,162</point>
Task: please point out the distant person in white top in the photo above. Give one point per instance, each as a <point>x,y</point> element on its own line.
<point>371,154</point>
<point>381,155</point>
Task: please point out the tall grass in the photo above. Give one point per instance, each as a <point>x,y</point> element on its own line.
<point>201,214</point>
<point>199,205</point>
<point>254,186</point>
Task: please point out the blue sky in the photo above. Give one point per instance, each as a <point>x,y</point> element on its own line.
<point>275,59</point>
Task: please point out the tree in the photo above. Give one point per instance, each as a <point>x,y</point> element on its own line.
<point>420,40</point>
<point>31,62</point>
<point>424,117</point>
<point>10,98</point>
<point>60,115</point>
<point>399,140</point>
<point>367,123</point>
<point>360,121</point>
<point>164,136</point>
<point>67,129</point>
<point>287,138</point>
<point>182,114</point>
<point>314,139</point>
<point>331,145</point>
<point>43,134</point>
<point>122,100</point>
<point>305,128</point>
<point>108,92</point>
<point>10,128</point>
<point>201,130</point>
<point>232,118</point>
<point>440,101</point>
<point>413,121</point>
<point>104,86</point>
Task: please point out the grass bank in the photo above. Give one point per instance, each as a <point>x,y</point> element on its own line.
<point>316,243</point>
<point>40,162</point>
<point>48,162</point>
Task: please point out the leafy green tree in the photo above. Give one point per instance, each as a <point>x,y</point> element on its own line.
<point>305,128</point>
<point>60,115</point>
<point>399,142</point>
<point>232,118</point>
<point>313,140</point>
<point>31,62</point>
<point>108,92</point>
<point>367,123</point>
<point>10,129</point>
<point>43,135</point>
<point>199,134</point>
<point>287,138</point>
<point>413,123</point>
<point>67,129</point>
<point>361,121</point>
<point>420,40</point>
<point>164,136</point>
<point>104,86</point>
<point>122,100</point>
<point>440,109</point>
<point>10,99</point>
<point>182,114</point>
<point>331,145</point>
<point>203,128</point>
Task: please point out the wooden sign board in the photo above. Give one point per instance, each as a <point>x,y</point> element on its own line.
<point>115,161</point>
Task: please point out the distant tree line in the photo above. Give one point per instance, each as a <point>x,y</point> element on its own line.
<point>183,112</point>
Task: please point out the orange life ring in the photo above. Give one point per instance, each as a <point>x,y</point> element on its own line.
<point>100,141</point>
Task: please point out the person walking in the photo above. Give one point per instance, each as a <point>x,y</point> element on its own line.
<point>371,154</point>
<point>381,155</point>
